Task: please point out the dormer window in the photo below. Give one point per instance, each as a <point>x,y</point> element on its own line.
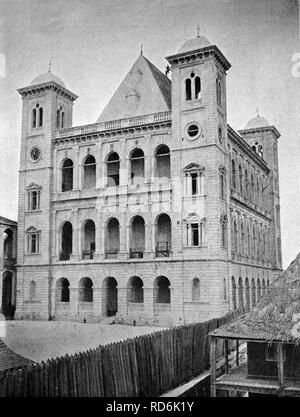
<point>37,116</point>
<point>192,87</point>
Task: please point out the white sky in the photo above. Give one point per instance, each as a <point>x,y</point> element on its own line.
<point>93,44</point>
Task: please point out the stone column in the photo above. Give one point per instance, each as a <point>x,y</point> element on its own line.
<point>76,236</point>
<point>97,301</point>
<point>148,301</point>
<point>74,306</point>
<point>122,301</point>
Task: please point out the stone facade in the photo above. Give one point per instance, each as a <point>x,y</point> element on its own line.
<point>145,216</point>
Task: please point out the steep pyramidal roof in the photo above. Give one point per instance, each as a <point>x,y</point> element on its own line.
<point>144,90</point>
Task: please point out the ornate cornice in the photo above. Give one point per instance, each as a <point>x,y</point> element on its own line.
<point>264,129</point>
<point>211,51</point>
<point>245,147</point>
<point>44,87</point>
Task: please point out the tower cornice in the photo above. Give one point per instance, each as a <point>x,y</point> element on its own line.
<point>211,51</point>
<point>264,129</point>
<point>43,87</point>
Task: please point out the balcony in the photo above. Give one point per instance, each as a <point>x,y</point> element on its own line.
<point>87,254</point>
<point>111,253</point>
<point>162,250</point>
<point>136,253</point>
<point>114,124</point>
<point>64,256</point>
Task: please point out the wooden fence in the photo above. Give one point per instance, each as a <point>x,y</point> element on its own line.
<point>147,365</point>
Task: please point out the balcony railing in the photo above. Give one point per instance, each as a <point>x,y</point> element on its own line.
<point>64,256</point>
<point>162,249</point>
<point>87,254</point>
<point>136,253</point>
<point>111,253</point>
<point>114,124</point>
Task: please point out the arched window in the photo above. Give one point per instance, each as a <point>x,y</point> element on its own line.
<point>162,292</point>
<point>60,118</point>
<point>33,118</point>
<point>218,90</point>
<point>222,183</point>
<point>253,293</point>
<point>242,249</point>
<point>258,289</point>
<point>66,241</point>
<point>67,175</point>
<point>224,289</point>
<point>32,291</point>
<point>233,174</point>
<point>89,240</point>
<point>254,243</point>
<point>41,113</point>
<point>137,162</point>
<point>233,289</point>
<point>113,170</point>
<point>197,87</point>
<point>112,238</point>
<point>235,237</point>
<point>247,293</point>
<point>85,290</point>
<point>137,237</point>
<point>263,286</point>
<point>196,289</point>
<point>224,231</point>
<point>8,241</point>
<point>220,134</point>
<point>241,293</point>
<point>163,235</point>
<point>63,291</point>
<point>89,172</point>
<point>162,163</point>
<point>188,89</point>
<point>252,191</point>
<point>135,290</point>
<point>241,179</point>
<point>33,240</point>
<point>246,184</point>
<point>110,297</point>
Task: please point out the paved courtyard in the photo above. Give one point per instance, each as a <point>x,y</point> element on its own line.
<point>39,341</point>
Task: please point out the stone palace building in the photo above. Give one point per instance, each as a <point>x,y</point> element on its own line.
<point>158,213</point>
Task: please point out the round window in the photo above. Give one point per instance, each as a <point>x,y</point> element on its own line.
<point>35,153</point>
<point>193,130</point>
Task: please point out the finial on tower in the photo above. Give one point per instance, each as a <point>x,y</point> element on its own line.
<point>49,66</point>
<point>257,111</point>
<point>198,31</point>
<point>141,49</point>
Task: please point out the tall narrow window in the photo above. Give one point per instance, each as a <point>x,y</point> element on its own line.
<point>195,231</point>
<point>233,289</point>
<point>218,90</point>
<point>188,89</point>
<point>224,289</point>
<point>222,182</point>
<point>112,238</point>
<point>89,241</point>
<point>89,172</point>
<point>242,251</point>
<point>196,289</point>
<point>162,163</point>
<point>66,241</point>
<point>233,174</point>
<point>137,237</point>
<point>163,233</point>
<point>67,175</point>
<point>33,241</point>
<point>113,170</point>
<point>194,180</point>
<point>33,197</point>
<point>58,118</point>
<point>33,121</point>
<point>32,291</point>
<point>241,179</point>
<point>235,237</point>
<point>137,162</point>
<point>41,116</point>
<point>62,120</point>
<point>224,231</point>
<point>246,184</point>
<point>197,87</point>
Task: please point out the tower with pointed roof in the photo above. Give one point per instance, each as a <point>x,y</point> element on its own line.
<point>157,213</point>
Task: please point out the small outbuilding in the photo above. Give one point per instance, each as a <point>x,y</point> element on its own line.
<point>271,332</point>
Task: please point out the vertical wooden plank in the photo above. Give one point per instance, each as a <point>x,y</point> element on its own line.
<point>280,365</point>
<point>213,343</point>
<point>226,351</point>
<point>237,353</point>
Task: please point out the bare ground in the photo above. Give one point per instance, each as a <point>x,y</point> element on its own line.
<point>40,341</point>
